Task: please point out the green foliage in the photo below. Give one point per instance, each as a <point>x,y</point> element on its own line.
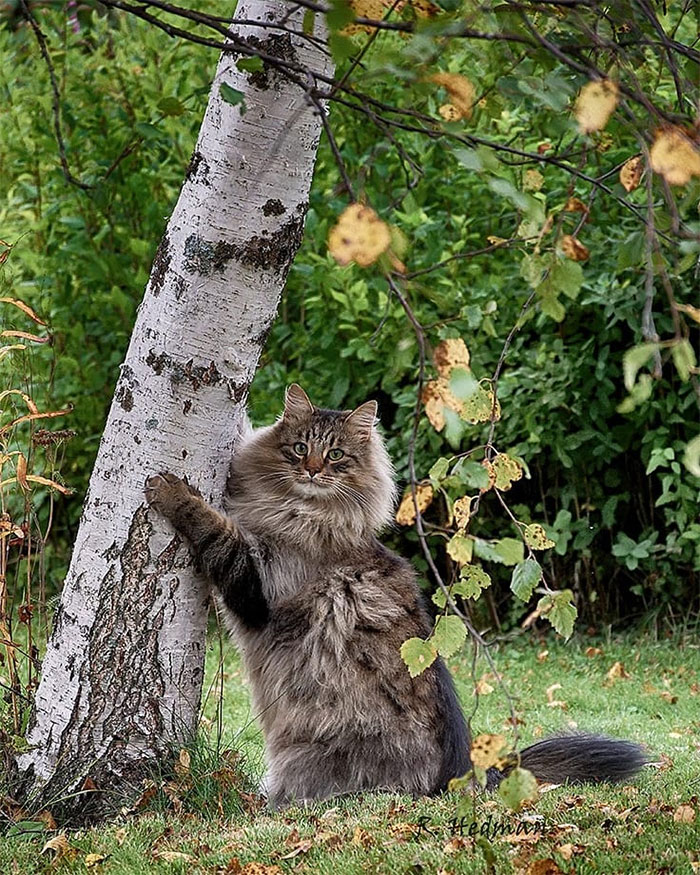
<point>600,432</point>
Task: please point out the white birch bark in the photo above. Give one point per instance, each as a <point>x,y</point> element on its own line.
<point>121,679</point>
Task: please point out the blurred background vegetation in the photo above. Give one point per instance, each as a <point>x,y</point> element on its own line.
<point>609,486</point>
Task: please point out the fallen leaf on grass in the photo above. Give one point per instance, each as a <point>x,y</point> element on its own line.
<point>617,671</point>
<point>95,859</point>
<point>361,838</point>
<point>543,867</point>
<point>60,846</point>
<point>684,814</point>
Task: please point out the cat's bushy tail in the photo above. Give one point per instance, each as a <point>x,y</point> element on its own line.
<point>579,758</point>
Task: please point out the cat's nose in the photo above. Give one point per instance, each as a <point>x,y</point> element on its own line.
<point>313,468</point>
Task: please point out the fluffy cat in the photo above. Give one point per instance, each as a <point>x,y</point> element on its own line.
<point>319,609</point>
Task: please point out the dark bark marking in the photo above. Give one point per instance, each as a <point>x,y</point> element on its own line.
<point>279,46</point>
<point>180,287</point>
<point>274,207</point>
<point>195,375</point>
<point>266,252</point>
<point>161,264</point>
<point>198,166</point>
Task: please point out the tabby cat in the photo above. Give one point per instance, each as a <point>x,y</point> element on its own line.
<point>319,609</point>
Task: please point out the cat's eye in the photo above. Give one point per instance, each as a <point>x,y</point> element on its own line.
<point>335,454</point>
<point>300,448</point>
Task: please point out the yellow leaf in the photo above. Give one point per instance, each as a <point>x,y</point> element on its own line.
<point>533,180</point>
<point>486,750</point>
<point>460,549</point>
<point>573,248</point>
<point>595,104</point>
<point>693,312</point>
<point>496,241</point>
<point>536,537</point>
<point>94,859</point>
<point>507,471</point>
<point>491,471</point>
<point>406,514</point>
<point>462,512</point>
<point>460,89</point>
<point>631,173</point>
<point>449,354</point>
<point>450,112</point>
<point>675,156</point>
<point>483,687</point>
<point>359,236</point>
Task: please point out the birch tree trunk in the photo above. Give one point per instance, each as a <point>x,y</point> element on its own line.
<point>122,676</point>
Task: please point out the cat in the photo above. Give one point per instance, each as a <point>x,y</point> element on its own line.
<point>319,609</point>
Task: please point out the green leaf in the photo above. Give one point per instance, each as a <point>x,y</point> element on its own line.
<point>449,635</point>
<point>250,65</point>
<point>418,655</point>
<point>26,828</point>
<point>634,359</point>
<point>308,22</point>
<point>439,470</point>
<point>641,392</point>
<point>171,106</point>
<point>462,384</point>
<point>472,579</point>
<point>691,456</point>
<point>472,474</point>
<point>454,427</point>
<point>551,306</point>
<point>684,359</point>
<point>507,551</point>
<point>232,95</point>
<point>147,131</point>
<point>339,14</point>
<point>526,576</point>
<point>341,47</point>
<point>559,610</point>
<point>518,788</point>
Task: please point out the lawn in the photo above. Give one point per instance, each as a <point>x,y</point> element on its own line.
<point>206,819</point>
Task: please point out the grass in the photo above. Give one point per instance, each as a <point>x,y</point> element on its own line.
<point>642,827</point>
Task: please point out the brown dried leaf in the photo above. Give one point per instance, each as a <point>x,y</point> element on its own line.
<point>95,859</point>
<point>434,404</point>
<point>573,248</point>
<point>361,838</point>
<point>450,112</point>
<point>684,814</point>
<point>22,471</point>
<point>406,514</point>
<point>617,671</point>
<point>460,89</point>
<point>675,156</point>
<point>574,205</point>
<point>60,846</point>
<point>595,104</point>
<point>35,338</point>
<point>462,512</point>
<point>449,354</point>
<point>25,308</point>
<point>359,236</point>
<point>631,173</point>
<point>508,470</point>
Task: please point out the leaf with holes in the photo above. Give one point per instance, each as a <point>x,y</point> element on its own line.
<point>507,471</point>
<point>536,537</point>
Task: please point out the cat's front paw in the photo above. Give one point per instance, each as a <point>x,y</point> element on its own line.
<point>167,493</point>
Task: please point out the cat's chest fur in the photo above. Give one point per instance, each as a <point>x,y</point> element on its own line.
<point>331,646</point>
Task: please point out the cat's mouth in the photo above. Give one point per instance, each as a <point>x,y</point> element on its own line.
<point>310,488</point>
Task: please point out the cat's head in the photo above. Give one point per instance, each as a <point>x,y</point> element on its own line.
<point>333,460</point>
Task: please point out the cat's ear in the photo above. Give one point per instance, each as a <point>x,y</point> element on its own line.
<point>361,420</point>
<point>296,403</point>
